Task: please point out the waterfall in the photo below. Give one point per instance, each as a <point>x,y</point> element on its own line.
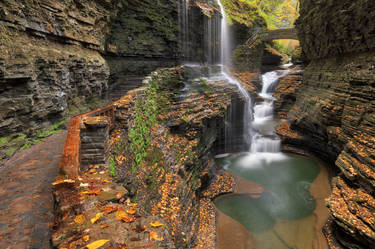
<point>265,138</point>
<point>225,55</point>
<point>183,19</point>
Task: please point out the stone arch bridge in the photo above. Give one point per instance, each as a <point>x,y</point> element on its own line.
<point>270,35</point>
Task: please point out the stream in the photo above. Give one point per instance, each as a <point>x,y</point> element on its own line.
<point>279,198</point>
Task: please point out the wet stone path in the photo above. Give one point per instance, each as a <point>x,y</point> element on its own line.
<point>26,202</point>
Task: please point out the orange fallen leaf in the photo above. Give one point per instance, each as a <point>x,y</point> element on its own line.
<point>156,224</point>
<point>97,244</point>
<point>131,210</point>
<point>104,226</point>
<point>109,209</point>
<point>128,219</point>
<point>96,218</point>
<point>92,170</point>
<point>63,181</point>
<point>86,238</point>
<point>155,236</point>
<point>79,219</point>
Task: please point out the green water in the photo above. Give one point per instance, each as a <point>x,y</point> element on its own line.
<point>286,180</point>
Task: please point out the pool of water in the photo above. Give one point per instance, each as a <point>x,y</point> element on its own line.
<point>284,215</point>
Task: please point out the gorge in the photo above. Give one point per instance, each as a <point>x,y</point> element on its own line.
<point>219,138</point>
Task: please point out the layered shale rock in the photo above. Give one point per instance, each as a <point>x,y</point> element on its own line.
<point>50,56</point>
<point>329,28</point>
<point>331,113</point>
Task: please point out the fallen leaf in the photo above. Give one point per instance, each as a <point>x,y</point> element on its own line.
<point>121,214</point>
<point>97,244</point>
<point>155,236</point>
<point>134,204</point>
<point>92,170</point>
<point>156,224</point>
<point>79,219</point>
<point>92,192</point>
<point>109,209</point>
<point>63,181</point>
<point>86,238</point>
<point>65,216</point>
<point>104,226</point>
<point>139,228</point>
<point>131,210</point>
<point>97,217</point>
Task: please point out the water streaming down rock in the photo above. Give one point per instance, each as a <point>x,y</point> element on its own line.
<point>183,19</point>
<point>225,55</point>
<point>265,139</point>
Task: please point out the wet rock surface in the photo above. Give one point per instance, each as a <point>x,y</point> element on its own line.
<point>26,202</point>
<point>332,116</point>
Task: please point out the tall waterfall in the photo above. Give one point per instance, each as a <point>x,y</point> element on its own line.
<point>225,55</point>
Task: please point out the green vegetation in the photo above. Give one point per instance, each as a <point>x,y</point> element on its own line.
<point>3,140</point>
<point>20,142</point>
<point>55,128</point>
<point>112,166</point>
<point>147,110</point>
<point>275,13</point>
<point>149,106</point>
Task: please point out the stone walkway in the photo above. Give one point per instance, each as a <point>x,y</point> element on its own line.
<point>26,202</point>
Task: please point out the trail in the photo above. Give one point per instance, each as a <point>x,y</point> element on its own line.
<point>26,202</point>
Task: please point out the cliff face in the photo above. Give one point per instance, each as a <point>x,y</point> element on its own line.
<point>50,56</point>
<point>331,113</point>
<point>329,28</point>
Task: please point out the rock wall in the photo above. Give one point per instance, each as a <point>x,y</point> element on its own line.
<point>51,55</point>
<point>331,112</point>
<point>329,27</point>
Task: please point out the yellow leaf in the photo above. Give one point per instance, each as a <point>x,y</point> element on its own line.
<point>97,217</point>
<point>155,236</point>
<point>63,181</point>
<point>86,238</point>
<point>79,219</point>
<point>97,244</point>
<point>156,224</point>
<point>104,226</point>
<point>121,214</point>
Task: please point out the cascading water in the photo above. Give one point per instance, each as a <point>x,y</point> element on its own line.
<point>265,140</point>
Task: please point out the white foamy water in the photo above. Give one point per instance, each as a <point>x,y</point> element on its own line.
<point>265,139</point>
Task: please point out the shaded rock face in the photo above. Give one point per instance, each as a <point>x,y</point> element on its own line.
<point>333,116</point>
<point>50,56</point>
<point>38,80</point>
<point>146,28</point>
<point>328,27</point>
